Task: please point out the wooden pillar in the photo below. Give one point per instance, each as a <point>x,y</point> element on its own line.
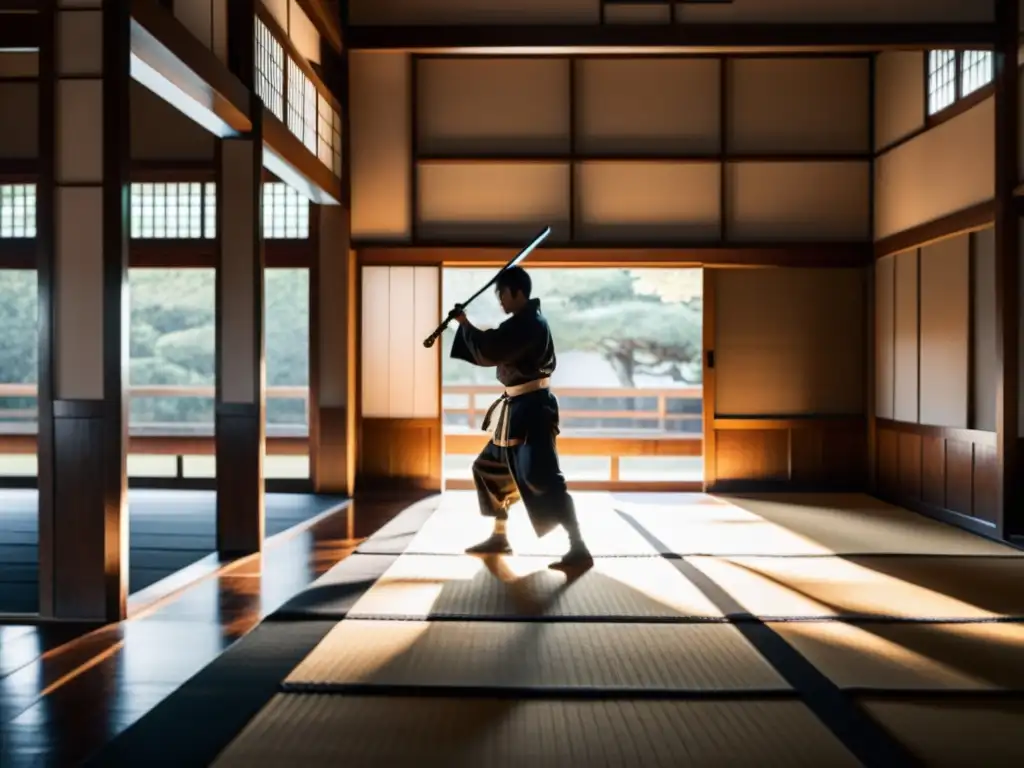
<point>332,340</point>
<point>1007,244</point>
<point>83,271</point>
<point>241,373</point>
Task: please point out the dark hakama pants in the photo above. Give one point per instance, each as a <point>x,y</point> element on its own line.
<point>527,470</point>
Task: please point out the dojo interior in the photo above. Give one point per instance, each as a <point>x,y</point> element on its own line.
<point>783,284</point>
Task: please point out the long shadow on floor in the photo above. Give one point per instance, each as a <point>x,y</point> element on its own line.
<point>168,531</point>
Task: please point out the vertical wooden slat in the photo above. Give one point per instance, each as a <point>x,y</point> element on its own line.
<point>1007,235</point>
<point>708,411</point>
<point>83,268</point>
<point>240,430</point>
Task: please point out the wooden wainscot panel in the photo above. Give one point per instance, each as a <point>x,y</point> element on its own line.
<point>752,455</point>
<point>795,453</point>
<point>831,456</point>
<point>943,472</point>
<point>397,453</point>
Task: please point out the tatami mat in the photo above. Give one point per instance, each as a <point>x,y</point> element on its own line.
<point>430,586</point>
<point>457,526</point>
<point>533,655</point>
<point>958,733</point>
<point>960,657</point>
<point>324,730</point>
<point>804,524</point>
<point>905,588</point>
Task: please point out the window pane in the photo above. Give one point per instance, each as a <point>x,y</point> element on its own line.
<point>172,351</point>
<point>171,211</point>
<point>287,324</point>
<point>269,70</point>
<point>19,342</point>
<point>285,212</point>
<point>941,80</point>
<point>976,71</point>
<point>17,210</point>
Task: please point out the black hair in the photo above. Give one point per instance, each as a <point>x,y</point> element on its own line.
<point>516,280</point>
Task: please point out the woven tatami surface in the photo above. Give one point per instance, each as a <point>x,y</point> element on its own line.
<point>815,630</point>
<point>319,730</point>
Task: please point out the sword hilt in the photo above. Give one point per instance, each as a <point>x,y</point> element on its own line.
<point>456,311</point>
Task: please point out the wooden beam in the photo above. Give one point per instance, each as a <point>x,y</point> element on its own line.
<point>970,219</point>
<point>169,60</point>
<point>296,165</point>
<point>707,255</point>
<point>669,38</point>
<point>1007,246</point>
<point>325,19</point>
<point>19,30</point>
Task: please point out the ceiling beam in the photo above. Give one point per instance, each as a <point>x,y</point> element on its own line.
<point>325,19</point>
<point>675,38</point>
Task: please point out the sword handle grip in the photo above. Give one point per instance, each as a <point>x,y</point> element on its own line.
<point>456,311</point>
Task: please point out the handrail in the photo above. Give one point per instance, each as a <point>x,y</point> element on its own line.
<point>479,398</point>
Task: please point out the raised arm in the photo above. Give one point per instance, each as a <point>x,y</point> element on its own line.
<point>503,344</point>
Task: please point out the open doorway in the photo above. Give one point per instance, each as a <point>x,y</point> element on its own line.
<point>629,377</point>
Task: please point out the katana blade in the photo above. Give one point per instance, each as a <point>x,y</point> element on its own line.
<point>515,261</point>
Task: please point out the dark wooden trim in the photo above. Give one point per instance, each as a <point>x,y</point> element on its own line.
<point>707,255</point>
<point>723,147</point>
<point>21,30</point>
<point>19,253</point>
<point>976,436</point>
<point>279,138</point>
<point>971,219</point>
<point>1007,253</point>
<point>573,163</point>
<point>972,394</point>
<point>19,170</point>
<point>870,351</point>
<point>292,52</point>
<point>414,147</point>
<point>720,157</point>
<point>239,429</point>
<point>163,42</point>
<point>814,421</point>
<point>709,383</point>
<point>675,38</point>
<point>45,242</point>
<point>202,254</point>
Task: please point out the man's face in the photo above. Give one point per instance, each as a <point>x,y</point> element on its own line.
<point>506,300</point>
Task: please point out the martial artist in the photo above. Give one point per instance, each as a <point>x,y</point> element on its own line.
<point>520,461</point>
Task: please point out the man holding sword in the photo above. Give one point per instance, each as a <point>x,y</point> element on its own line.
<point>520,461</point>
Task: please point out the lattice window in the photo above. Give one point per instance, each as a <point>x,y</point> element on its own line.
<point>269,70</point>
<point>168,211</point>
<point>285,212</point>
<point>941,80</point>
<point>210,210</point>
<point>17,210</point>
<point>325,132</point>
<point>336,143</point>
<point>302,106</point>
<point>975,71</point>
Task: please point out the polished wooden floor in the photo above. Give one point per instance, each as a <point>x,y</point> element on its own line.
<point>67,689</point>
<point>168,530</point>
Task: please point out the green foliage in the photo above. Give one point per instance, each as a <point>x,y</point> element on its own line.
<point>172,338</point>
